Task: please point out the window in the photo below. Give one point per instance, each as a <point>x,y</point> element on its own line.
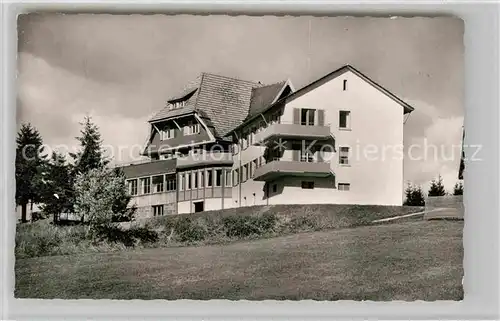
<point>235,149</point>
<point>245,173</point>
<point>344,119</point>
<point>195,178</point>
<point>218,177</point>
<point>244,141</point>
<point>228,177</point>
<point>344,186</point>
<point>252,135</point>
<point>132,187</point>
<point>254,167</point>
<point>202,178</point>
<point>209,178</point>
<point>188,181</point>
<point>275,118</point>
<point>307,117</point>
<point>307,185</point>
<point>344,156</point>
<point>306,155</point>
<point>275,188</point>
<point>192,128</point>
<point>345,85</point>
<point>177,104</point>
<point>157,210</point>
<point>171,184</point>
<point>158,184</point>
<point>146,185</point>
<point>236,177</point>
<point>167,133</point>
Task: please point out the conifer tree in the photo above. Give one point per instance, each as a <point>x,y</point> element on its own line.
<point>414,196</point>
<point>29,163</point>
<point>437,187</point>
<point>90,156</point>
<point>58,188</point>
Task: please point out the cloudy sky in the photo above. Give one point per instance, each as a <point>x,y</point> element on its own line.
<point>121,69</point>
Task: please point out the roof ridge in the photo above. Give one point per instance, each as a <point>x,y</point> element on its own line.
<point>272,84</point>
<point>233,78</point>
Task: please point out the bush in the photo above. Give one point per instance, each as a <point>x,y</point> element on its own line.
<point>43,239</point>
<point>188,230</point>
<point>129,238</point>
<point>244,226</point>
<point>301,223</point>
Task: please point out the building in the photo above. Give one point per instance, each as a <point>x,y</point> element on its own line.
<point>224,143</point>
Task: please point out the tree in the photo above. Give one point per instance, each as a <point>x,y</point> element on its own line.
<point>458,189</point>
<point>29,162</point>
<point>58,189</point>
<point>437,187</point>
<point>121,211</point>
<point>414,196</point>
<point>96,192</point>
<point>90,155</point>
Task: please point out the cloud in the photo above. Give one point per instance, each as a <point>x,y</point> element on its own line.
<point>55,101</point>
<point>433,145</point>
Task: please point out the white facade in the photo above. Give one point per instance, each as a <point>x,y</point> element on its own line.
<point>374,136</point>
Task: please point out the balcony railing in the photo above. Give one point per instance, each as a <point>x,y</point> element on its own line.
<point>204,159</point>
<point>279,168</point>
<point>293,131</point>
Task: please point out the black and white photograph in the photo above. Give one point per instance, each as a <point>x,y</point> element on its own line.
<point>218,157</point>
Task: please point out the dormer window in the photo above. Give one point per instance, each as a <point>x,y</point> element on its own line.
<point>167,133</point>
<point>192,128</point>
<point>177,104</point>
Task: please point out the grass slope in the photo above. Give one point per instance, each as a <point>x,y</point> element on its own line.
<point>417,260</point>
<point>217,227</point>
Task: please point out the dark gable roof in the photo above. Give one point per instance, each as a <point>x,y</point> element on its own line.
<point>264,96</point>
<point>222,102</point>
<point>321,81</point>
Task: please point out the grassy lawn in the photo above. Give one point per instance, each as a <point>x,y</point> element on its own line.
<point>414,260</point>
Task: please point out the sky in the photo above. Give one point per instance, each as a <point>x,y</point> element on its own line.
<point>120,70</point>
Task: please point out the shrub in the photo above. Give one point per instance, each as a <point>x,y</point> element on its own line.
<point>129,238</point>
<point>42,239</point>
<point>244,226</point>
<point>188,230</point>
<point>302,223</point>
<point>144,235</point>
<point>458,189</point>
